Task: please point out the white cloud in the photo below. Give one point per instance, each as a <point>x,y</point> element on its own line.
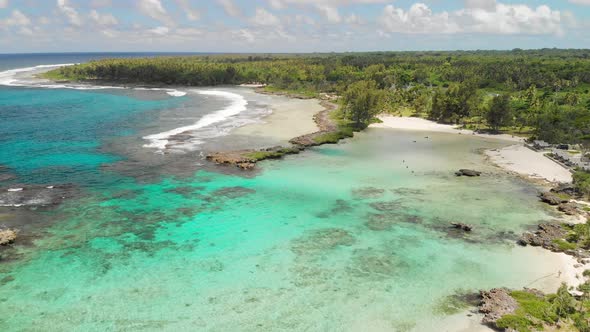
<point>44,20</point>
<point>103,19</point>
<point>330,13</point>
<point>160,31</point>
<point>280,4</point>
<point>100,3</point>
<point>230,8</point>
<point>353,19</point>
<point>479,17</point>
<point>418,19</point>
<point>189,32</point>
<point>481,4</point>
<point>25,31</point>
<point>16,18</point>
<point>3,3</point>
<point>514,19</point>
<point>155,10</point>
<point>327,8</point>
<point>303,19</point>
<point>245,34</point>
<point>581,2</point>
<point>264,17</point>
<point>70,13</point>
<point>191,14</point>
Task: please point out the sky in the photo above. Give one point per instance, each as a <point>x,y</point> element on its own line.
<point>290,25</point>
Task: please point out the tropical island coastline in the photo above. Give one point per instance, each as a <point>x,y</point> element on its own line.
<point>358,111</point>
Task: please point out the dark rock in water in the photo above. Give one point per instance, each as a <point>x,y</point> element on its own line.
<point>544,236</point>
<point>467,172</point>
<point>496,303</point>
<point>568,208</point>
<point>551,198</point>
<point>462,226</point>
<point>35,195</point>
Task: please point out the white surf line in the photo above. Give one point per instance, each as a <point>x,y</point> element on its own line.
<point>8,78</point>
<point>238,104</point>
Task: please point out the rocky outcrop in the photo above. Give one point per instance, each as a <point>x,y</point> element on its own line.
<point>462,226</point>
<point>237,158</point>
<point>467,172</point>
<point>7,236</point>
<point>568,208</point>
<point>496,303</point>
<point>544,236</point>
<point>565,188</point>
<point>552,198</point>
<point>247,159</point>
<point>325,124</point>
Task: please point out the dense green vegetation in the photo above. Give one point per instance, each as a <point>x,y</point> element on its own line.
<point>582,182</point>
<point>542,93</point>
<point>560,309</point>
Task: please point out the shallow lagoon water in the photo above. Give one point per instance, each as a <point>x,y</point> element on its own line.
<point>348,237</point>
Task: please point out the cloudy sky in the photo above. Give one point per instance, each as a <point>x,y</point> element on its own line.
<point>290,25</point>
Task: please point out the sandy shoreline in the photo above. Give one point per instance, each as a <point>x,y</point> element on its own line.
<point>524,161</point>
<point>515,158</point>
<point>289,118</point>
<point>419,124</point>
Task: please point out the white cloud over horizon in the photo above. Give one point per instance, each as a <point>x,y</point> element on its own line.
<point>308,25</point>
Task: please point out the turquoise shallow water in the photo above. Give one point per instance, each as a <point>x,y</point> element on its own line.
<point>55,135</point>
<point>349,237</point>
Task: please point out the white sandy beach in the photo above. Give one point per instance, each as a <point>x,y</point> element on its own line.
<point>289,118</point>
<point>515,158</point>
<point>419,124</point>
<point>524,161</point>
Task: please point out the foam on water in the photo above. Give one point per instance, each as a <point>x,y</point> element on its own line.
<point>237,105</point>
<point>8,77</point>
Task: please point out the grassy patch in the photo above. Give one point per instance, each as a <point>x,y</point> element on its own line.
<point>334,137</point>
<point>273,154</point>
<point>534,306</point>
<point>57,75</point>
<point>564,245</point>
<point>517,322</point>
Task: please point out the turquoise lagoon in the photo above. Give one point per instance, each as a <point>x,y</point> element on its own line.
<point>347,237</point>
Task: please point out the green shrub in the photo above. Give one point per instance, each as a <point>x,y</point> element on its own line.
<point>564,245</point>
<point>516,322</point>
<point>534,306</point>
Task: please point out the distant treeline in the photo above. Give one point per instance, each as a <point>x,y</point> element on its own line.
<point>544,93</point>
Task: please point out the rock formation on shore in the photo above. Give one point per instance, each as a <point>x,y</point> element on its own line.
<point>247,159</point>
<point>467,172</point>
<point>552,198</point>
<point>545,236</point>
<point>496,303</point>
